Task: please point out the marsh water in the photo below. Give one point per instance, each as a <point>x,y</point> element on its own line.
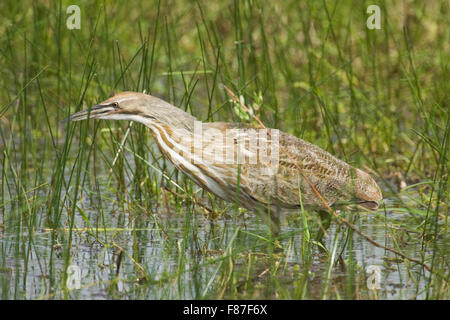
<point>111,248</point>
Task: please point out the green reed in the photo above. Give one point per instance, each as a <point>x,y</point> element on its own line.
<point>99,194</point>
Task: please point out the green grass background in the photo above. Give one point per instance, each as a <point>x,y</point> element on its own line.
<point>378,99</point>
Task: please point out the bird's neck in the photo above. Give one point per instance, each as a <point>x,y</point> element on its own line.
<point>174,141</point>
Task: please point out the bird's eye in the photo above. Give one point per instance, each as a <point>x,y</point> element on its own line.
<point>115,105</point>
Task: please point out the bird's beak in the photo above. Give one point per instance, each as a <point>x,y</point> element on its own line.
<point>96,112</point>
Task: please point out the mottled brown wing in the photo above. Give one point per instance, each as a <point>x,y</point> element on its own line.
<point>283,183</point>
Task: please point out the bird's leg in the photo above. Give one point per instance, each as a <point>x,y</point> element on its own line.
<point>274,224</point>
<point>272,220</point>
<point>324,224</point>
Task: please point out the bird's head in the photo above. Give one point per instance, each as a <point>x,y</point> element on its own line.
<point>123,106</point>
<point>135,106</point>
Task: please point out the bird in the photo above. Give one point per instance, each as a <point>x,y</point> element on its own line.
<point>260,169</point>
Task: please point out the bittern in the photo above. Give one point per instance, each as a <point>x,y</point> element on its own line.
<point>212,157</point>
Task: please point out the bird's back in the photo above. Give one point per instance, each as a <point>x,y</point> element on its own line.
<point>277,168</point>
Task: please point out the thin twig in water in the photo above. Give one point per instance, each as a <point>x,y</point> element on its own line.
<point>122,143</point>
